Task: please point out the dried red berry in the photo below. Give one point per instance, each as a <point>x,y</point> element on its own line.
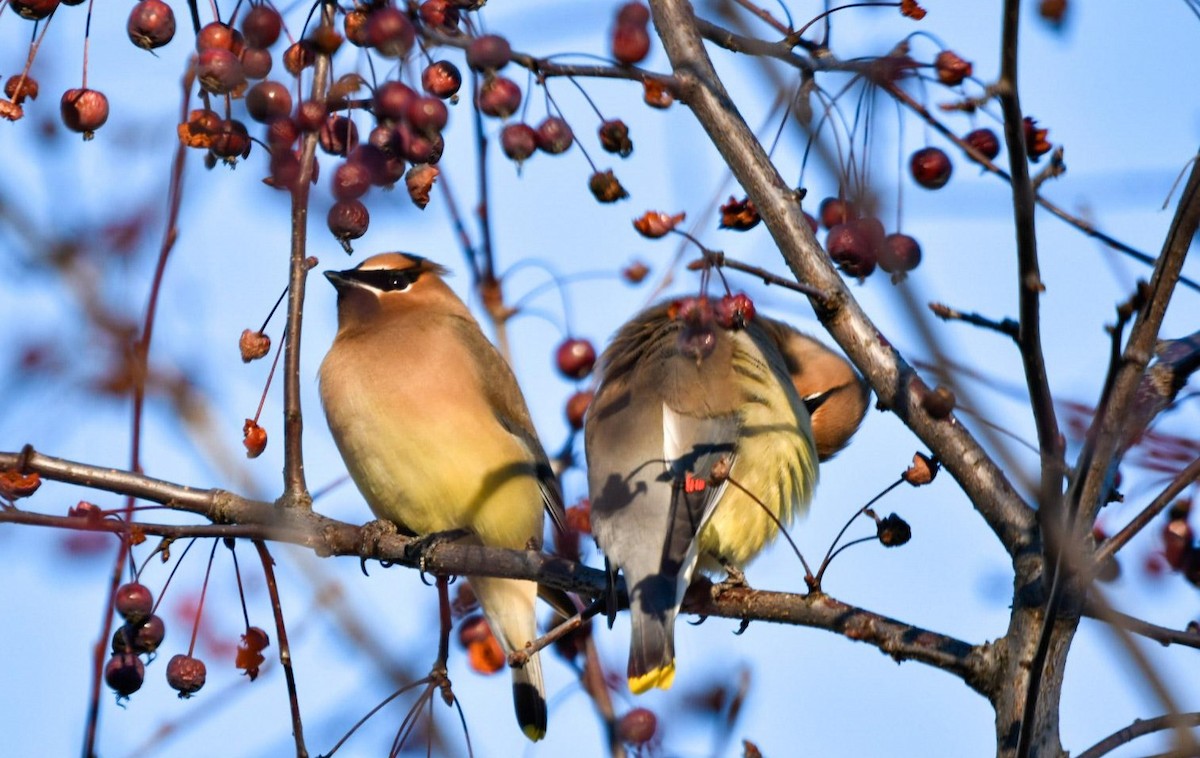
<point>985,141</point>
<point>735,311</point>
<point>635,272</point>
<point>554,135</point>
<point>606,187</point>
<point>34,10</point>
<point>634,14</point>
<point>254,438</point>
<point>499,97</point>
<point>614,138</point>
<point>261,26</point>
<point>575,358</point>
<point>392,99</point>
<point>851,249</point>
<point>697,339</point>
<point>338,135</point>
<point>441,79</point>
<point>427,114</point>
<point>151,24</point>
<point>134,602</point>
<point>268,100</point>
<point>655,224</point>
<point>834,211</point>
<point>898,253</point>
<point>577,405</point>
<point>1036,144</point>
<point>939,403</point>
<point>390,32</point>
<point>518,141</point>
<point>951,69</point>
<point>186,674</point>
<point>638,726</point>
<point>19,87</point>
<point>231,140</point>
<point>125,673</point>
<point>84,110</point>
<point>146,636</point>
<point>219,71</point>
<point>298,57</point>
<point>630,44</point>
<point>488,52</point>
<point>931,167</point>
<point>219,36</point>
<point>893,531</point>
<point>253,345</point>
<point>256,62</point>
<point>739,215</point>
<point>348,219</point>
<point>310,115</point>
<point>442,15</point>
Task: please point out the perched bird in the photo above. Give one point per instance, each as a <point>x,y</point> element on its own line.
<point>434,431</point>
<point>703,437</point>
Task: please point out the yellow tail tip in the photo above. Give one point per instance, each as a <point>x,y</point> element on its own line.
<point>533,733</point>
<point>662,677</point>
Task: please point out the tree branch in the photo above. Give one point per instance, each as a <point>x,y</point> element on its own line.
<point>896,384</point>
<point>1140,728</point>
<point>242,517</point>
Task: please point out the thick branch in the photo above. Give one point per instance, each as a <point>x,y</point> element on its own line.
<point>238,516</point>
<point>895,382</point>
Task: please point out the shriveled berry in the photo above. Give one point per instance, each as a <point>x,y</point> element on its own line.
<point>125,673</point>
<point>939,403</point>
<point>390,32</point>
<point>134,602</point>
<point>735,311</point>
<point>419,147</point>
<point>298,57</point>
<point>893,531</point>
<point>268,100</point>
<point>254,438</point>
<point>19,87</point>
<point>985,141</point>
<point>577,405</point>
<point>554,135</point>
<point>253,345</point>
<point>261,26</point>
<point>698,338</point>
<point>931,167</point>
<point>488,52</point>
<point>324,40</point>
<point>951,69</point>
<point>355,27</point>
<point>638,726</point>
<point>605,187</point>
<point>575,357</point>
<point>386,168</point>
<point>282,132</point>
<point>614,138</point>
<point>338,135</point>
<point>441,79</point>
<point>151,24</point>
<point>518,141</point>
<point>84,110</point>
<point>899,253</point>
<point>850,248</point>
<point>186,674</point>
<point>499,97</point>
<point>348,219</point>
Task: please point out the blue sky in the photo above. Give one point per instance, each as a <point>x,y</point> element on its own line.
<point>1112,87</point>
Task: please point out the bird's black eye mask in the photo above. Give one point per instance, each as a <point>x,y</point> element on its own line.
<point>384,279</point>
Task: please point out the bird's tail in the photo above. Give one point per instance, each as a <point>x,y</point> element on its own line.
<point>652,610</point>
<point>509,607</point>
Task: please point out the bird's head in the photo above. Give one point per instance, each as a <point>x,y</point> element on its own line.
<point>391,283</point>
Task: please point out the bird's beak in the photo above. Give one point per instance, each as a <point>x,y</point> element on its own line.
<point>338,279</point>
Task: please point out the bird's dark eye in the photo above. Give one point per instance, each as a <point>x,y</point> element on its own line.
<point>400,280</point>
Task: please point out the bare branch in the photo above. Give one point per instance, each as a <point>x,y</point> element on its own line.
<point>896,384</point>
<point>1140,728</point>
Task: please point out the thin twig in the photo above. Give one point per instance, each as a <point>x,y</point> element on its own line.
<point>1139,522</point>
<point>285,652</point>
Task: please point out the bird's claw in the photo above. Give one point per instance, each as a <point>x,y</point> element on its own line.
<point>417,549</point>
<point>370,535</point>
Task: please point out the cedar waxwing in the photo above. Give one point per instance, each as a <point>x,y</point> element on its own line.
<point>434,431</point>
<point>679,396</point>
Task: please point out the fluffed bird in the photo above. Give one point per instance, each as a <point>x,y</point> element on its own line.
<point>436,434</point>
<point>701,440</point>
